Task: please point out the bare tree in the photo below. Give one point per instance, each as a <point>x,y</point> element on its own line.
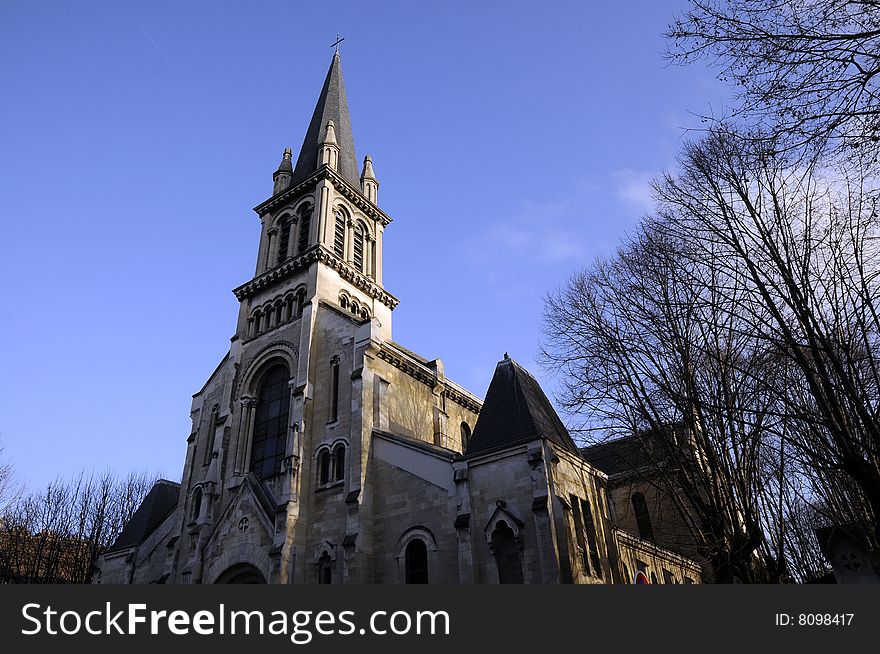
<point>57,535</point>
<point>806,70</point>
<point>646,350</point>
<point>803,244</point>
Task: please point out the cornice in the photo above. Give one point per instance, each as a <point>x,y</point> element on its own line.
<point>356,279</point>
<point>426,376</point>
<point>283,196</point>
<point>353,195</point>
<point>316,254</point>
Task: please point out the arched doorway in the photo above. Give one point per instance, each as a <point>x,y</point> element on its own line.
<point>242,573</point>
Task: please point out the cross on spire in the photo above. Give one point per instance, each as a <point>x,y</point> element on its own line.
<point>338,41</point>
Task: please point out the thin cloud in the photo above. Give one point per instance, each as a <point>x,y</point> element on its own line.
<point>634,188</point>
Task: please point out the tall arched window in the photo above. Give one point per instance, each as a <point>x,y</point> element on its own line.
<point>358,247</point>
<point>305,224</point>
<point>643,518</point>
<point>283,238</point>
<point>270,423</point>
<point>507,555</point>
<point>339,462</point>
<point>416,562</point>
<point>339,234</point>
<point>465,435</point>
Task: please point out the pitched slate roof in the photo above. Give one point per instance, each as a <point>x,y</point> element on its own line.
<point>516,411</point>
<point>159,502</point>
<point>618,456</point>
<point>332,105</point>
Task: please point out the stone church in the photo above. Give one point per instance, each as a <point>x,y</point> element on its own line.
<point>322,451</point>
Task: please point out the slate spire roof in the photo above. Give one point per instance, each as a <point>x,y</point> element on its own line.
<point>516,411</point>
<point>332,105</point>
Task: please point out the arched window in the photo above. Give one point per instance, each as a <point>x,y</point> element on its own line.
<point>305,223</point>
<point>465,435</point>
<point>270,312</point>
<point>283,239</point>
<point>343,301</point>
<point>339,234</point>
<point>324,467</point>
<point>279,311</point>
<point>416,562</point>
<point>358,247</point>
<point>258,321</point>
<point>289,302</point>
<point>300,302</point>
<point>270,423</point>
<point>339,462</point>
<point>643,518</point>
<point>507,555</point>
<point>325,569</point>
<point>197,504</point>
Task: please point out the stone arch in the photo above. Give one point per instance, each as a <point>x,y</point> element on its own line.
<point>404,543</point>
<point>241,573</point>
<point>265,359</point>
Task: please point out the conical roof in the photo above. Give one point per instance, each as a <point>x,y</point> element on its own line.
<point>516,411</point>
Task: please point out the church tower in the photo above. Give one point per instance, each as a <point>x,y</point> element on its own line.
<point>274,429</point>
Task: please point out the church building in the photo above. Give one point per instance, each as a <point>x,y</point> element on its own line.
<point>322,451</point>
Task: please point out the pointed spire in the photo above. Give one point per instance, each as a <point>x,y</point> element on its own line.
<point>282,176</point>
<point>332,105</point>
<point>369,183</point>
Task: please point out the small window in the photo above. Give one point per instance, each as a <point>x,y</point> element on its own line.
<point>212,427</point>
<point>643,518</point>
<point>324,468</point>
<point>339,463</point>
<point>334,389</point>
<point>416,562</point>
<point>465,435</point>
<point>507,554</point>
<point>289,302</point>
<point>197,504</point>
<point>258,322</point>
<point>325,569</point>
<point>300,302</point>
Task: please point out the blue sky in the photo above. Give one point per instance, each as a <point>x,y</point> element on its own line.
<point>514,143</point>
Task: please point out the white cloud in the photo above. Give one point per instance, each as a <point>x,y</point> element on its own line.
<point>633,188</point>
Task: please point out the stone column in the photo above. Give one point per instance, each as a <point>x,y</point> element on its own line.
<point>264,247</point>
<point>378,265</point>
<point>272,257</point>
<point>242,440</point>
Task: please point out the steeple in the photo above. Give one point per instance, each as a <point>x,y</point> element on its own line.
<point>332,106</point>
